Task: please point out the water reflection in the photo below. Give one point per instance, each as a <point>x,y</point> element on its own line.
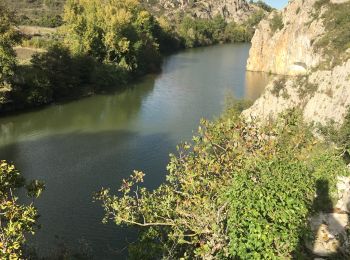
<point>98,113</point>
<point>255,84</point>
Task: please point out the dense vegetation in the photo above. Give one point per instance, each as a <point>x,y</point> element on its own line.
<point>336,38</point>
<point>276,23</point>
<point>8,38</point>
<point>16,219</point>
<point>97,48</point>
<point>262,5</point>
<point>202,32</point>
<point>46,13</point>
<point>238,191</point>
<point>97,54</point>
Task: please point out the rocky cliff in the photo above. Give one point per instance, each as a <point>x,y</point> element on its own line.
<point>312,45</point>
<point>288,49</point>
<point>231,10</point>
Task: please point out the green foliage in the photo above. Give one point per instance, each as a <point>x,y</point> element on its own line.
<point>276,23</point>
<point>343,136</point>
<point>203,32</point>
<point>45,13</point>
<point>49,21</point>
<point>236,33</point>
<point>8,38</point>
<point>339,135</point>
<point>272,196</point>
<point>56,75</point>
<point>39,42</point>
<point>279,85</point>
<point>336,39</point>
<point>304,87</point>
<point>237,191</point>
<point>318,4</point>
<point>121,33</point>
<point>16,220</point>
<point>264,6</point>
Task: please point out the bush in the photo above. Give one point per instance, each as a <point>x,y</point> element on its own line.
<point>201,32</point>
<point>271,201</point>
<point>39,42</point>
<point>121,33</point>
<point>16,220</point>
<point>276,23</point>
<point>336,40</point>
<point>238,191</point>
<point>264,6</point>
<point>279,84</point>
<point>56,75</point>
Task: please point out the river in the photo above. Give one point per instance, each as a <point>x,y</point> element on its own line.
<point>78,147</point>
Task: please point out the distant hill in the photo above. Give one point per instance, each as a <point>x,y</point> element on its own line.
<point>233,10</point>
<point>37,12</point>
<point>48,13</point>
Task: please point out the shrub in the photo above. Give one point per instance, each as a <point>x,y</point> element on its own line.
<point>304,87</point>
<point>16,220</point>
<point>279,84</point>
<point>276,23</point>
<point>271,201</point>
<point>336,39</point>
<point>264,6</point>
<point>238,191</point>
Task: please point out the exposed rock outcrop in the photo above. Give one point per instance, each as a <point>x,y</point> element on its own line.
<point>321,92</point>
<point>323,96</point>
<point>231,10</point>
<point>287,51</point>
<point>330,229</point>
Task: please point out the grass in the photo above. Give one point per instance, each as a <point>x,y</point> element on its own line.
<point>24,54</point>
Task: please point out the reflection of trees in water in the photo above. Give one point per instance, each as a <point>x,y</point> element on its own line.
<point>101,112</point>
<point>76,165</point>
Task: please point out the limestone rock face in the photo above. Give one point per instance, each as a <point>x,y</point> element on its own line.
<point>331,229</point>
<point>322,94</point>
<point>330,233</point>
<point>231,10</point>
<point>343,188</point>
<point>288,51</point>
<point>326,97</point>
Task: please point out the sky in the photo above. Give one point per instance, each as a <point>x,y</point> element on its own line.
<point>279,4</point>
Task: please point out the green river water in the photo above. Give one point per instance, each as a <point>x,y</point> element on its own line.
<point>78,147</point>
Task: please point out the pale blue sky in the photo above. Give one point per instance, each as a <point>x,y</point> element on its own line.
<point>277,3</point>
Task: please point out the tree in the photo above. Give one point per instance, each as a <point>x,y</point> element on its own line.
<point>115,31</point>
<point>9,36</point>
<point>16,220</point>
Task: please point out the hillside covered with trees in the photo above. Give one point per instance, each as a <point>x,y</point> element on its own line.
<point>118,43</point>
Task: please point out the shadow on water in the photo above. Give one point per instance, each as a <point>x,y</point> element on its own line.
<point>96,113</point>
<point>321,217</point>
<point>74,167</point>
